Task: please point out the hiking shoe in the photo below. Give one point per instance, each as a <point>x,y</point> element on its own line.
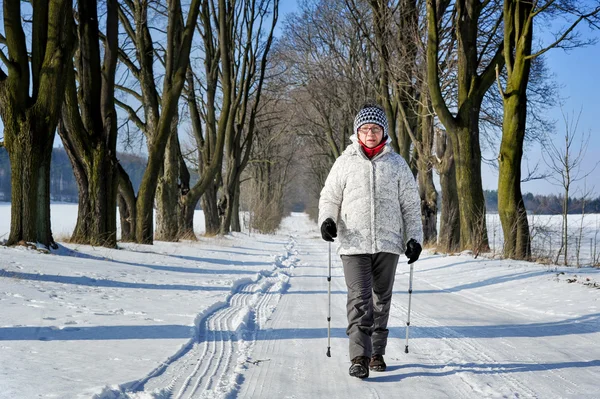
<point>360,367</point>
<point>377,363</point>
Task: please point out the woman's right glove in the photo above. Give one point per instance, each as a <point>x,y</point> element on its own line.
<point>328,230</point>
<point>413,250</point>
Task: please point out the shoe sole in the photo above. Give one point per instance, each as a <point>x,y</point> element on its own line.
<point>361,373</point>
<point>377,368</point>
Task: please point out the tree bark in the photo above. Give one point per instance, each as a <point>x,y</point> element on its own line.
<point>89,128</point>
<point>159,110</point>
<point>235,210</point>
<point>209,208</point>
<point>126,202</point>
<point>449,238</point>
<point>464,127</point>
<point>427,191</point>
<point>30,121</point>
<point>518,36</point>
<point>167,192</point>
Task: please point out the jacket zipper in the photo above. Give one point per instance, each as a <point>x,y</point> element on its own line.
<point>373,231</point>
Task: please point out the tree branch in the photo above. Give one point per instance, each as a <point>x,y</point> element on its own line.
<point>17,48</point>
<point>130,91</point>
<point>565,34</point>
<point>498,82</point>
<point>4,58</point>
<point>542,8</point>
<point>489,74</point>
<point>123,57</point>
<point>416,142</point>
<point>437,99</point>
<point>132,115</point>
<point>490,38</point>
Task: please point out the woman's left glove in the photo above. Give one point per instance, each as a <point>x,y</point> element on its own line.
<point>328,230</point>
<point>413,250</point>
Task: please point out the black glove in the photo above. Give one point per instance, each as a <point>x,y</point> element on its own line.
<point>413,250</point>
<point>328,230</point>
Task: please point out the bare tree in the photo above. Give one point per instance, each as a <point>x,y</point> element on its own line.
<point>159,109</point>
<point>210,119</point>
<point>474,78</point>
<point>271,164</point>
<point>88,127</point>
<point>249,70</point>
<point>31,95</point>
<point>330,70</point>
<point>518,20</point>
<point>565,162</point>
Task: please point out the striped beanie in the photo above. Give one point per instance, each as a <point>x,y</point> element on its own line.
<point>371,113</point>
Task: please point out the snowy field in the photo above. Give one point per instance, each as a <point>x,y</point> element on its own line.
<point>583,237</point>
<point>246,316</point>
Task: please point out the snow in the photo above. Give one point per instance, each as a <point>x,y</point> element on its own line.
<point>246,316</point>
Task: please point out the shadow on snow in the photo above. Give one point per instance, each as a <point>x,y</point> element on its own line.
<point>588,324</point>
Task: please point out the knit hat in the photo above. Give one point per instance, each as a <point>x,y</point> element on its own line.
<point>371,114</point>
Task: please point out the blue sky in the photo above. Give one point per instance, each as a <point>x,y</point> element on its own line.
<point>577,73</point>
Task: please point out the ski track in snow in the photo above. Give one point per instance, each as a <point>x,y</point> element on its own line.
<point>450,344</point>
<point>211,365</point>
<point>460,354</point>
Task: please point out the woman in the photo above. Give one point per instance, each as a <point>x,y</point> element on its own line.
<point>371,199</point>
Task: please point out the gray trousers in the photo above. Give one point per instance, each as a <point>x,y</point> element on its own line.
<point>370,280</point>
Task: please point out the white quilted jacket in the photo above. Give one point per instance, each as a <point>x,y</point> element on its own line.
<point>374,202</point>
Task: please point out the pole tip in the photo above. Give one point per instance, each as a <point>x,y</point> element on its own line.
<point>328,352</point>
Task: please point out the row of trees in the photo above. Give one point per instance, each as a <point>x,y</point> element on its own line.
<point>455,77</point>
<point>538,204</point>
<point>78,67</point>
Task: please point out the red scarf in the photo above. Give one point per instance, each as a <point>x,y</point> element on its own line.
<point>371,152</point>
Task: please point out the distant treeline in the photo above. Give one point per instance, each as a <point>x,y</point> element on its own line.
<point>63,186</point>
<point>546,204</point>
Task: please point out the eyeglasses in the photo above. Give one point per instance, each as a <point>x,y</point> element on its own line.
<point>374,130</point>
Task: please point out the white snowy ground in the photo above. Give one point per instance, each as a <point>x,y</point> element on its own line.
<point>246,316</point>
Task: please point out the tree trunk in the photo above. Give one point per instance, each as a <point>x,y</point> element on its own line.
<point>30,99</point>
<point>158,128</point>
<point>235,210</point>
<point>449,238</point>
<point>427,191</point>
<point>464,127</point>
<point>167,192</point>
<point>228,193</point>
<point>96,213</point>
<point>473,230</point>
<point>518,31</point>
<point>30,220</point>
<point>209,208</point>
<point>511,208</point>
<point>127,209</point>
<point>88,127</point>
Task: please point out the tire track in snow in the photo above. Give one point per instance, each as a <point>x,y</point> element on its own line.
<point>210,365</point>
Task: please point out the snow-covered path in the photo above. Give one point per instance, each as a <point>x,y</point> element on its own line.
<point>464,344</point>
<point>246,316</point>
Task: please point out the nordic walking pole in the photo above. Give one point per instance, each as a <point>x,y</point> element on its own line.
<point>410,280</point>
<point>329,307</point>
